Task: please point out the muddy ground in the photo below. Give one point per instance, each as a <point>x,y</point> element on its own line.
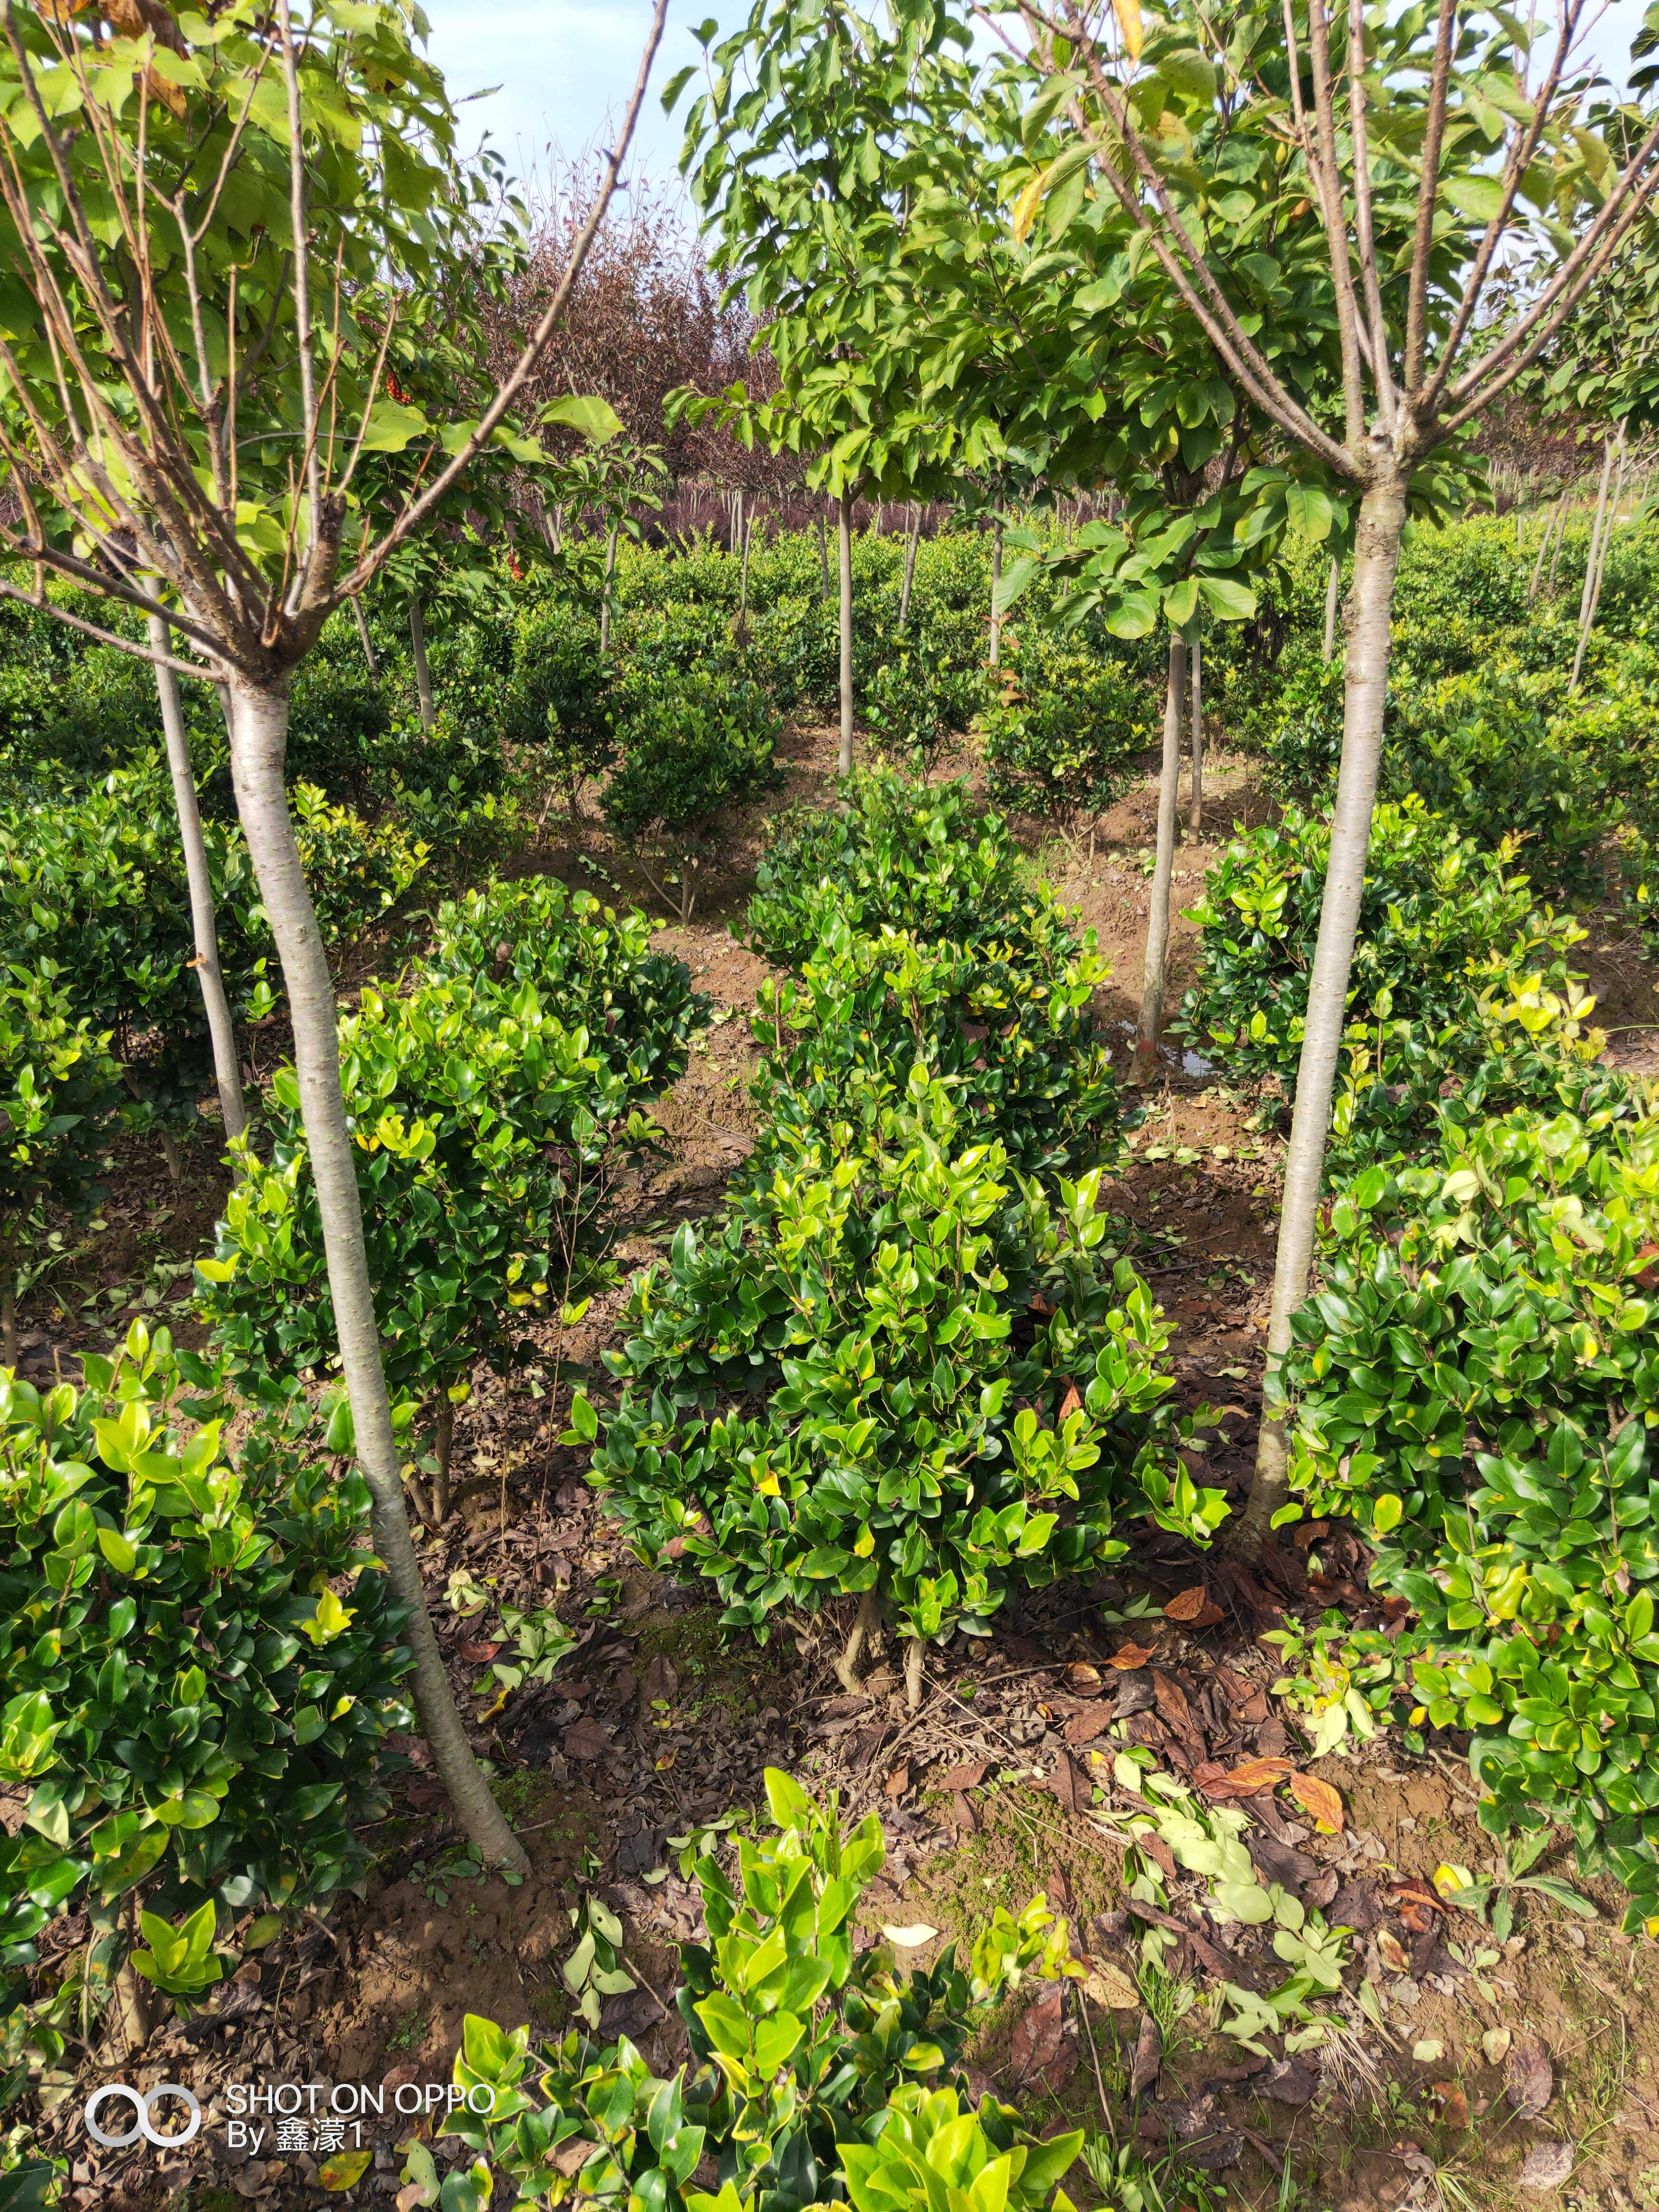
<point>994,1790</point>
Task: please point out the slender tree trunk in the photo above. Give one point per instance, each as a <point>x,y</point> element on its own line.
<point>1595,559</point>
<point>259,727</point>
<point>911,537</point>
<point>204,928</point>
<point>1377,562</point>
<point>844,532</point>
<point>1157,917</point>
<point>605,595</point>
<point>1332,588</point>
<point>422,673</point>
<point>865,1622</point>
<point>366,640</point>
<point>824,557</point>
<point>1550,522</point>
<point>1560,540</point>
<point>1196,811</point>
<point>443,1451</point>
<point>996,586</point>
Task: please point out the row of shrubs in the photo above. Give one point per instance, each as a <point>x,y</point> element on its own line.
<point>913,1365</point>
<point>1475,1377</point>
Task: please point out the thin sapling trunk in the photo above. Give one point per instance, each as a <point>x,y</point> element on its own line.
<point>204,928</point>
<point>604,596</point>
<point>910,540</point>
<point>823,558</point>
<point>1196,811</point>
<point>443,1451</point>
<point>258,743</point>
<point>422,673</point>
<point>366,640</point>
<point>915,1653</point>
<point>1334,586</point>
<point>996,586</point>
<point>844,547</point>
<point>1376,561</point>
<point>1595,558</point>
<point>866,1621</point>
<point>1157,917</point>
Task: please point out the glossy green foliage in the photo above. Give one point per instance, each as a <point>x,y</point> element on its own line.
<point>58,1085</point>
<point>1435,911</point>
<point>594,962</point>
<point>1301,741</point>
<point>95,884</point>
<point>895,1371</point>
<point>1065,731</point>
<point>556,700</point>
<point>489,1132</point>
<point>1477,1383</point>
<point>1008,1020</point>
<point>185,1698</point>
<point>925,858</point>
<point>819,2069</point>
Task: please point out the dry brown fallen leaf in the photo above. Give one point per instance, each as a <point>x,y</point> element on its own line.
<point>1319,1798</point>
<point>1528,2077</point>
<point>1109,1986</point>
<point>959,1778</point>
<point>1148,2060</point>
<point>1454,2105</point>
<point>1258,1774</point>
<point>1392,1952</point>
<point>1070,1404</point>
<point>1188,1604</point>
<point>1084,1681</point>
<point>1130,1657</point>
<point>1548,2164</point>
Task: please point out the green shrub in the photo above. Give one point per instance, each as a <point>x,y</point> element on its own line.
<point>1479,750</point>
<point>557,697</point>
<point>923,858</point>
<point>594,964</point>
<point>96,884</point>
<point>488,1135</point>
<point>893,1374</point>
<point>1477,1383</point>
<point>1522,1040</point>
<point>1435,910</point>
<point>1065,728</point>
<point>1009,1023</point>
<point>1302,743</point>
<point>820,2070</point>
<point>690,744</point>
<point>57,1084</point>
<point>185,1695</point>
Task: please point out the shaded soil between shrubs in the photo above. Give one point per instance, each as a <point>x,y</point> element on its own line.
<point>656,1723</point>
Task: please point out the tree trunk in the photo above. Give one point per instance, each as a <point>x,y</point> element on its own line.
<point>204,927</point>
<point>864,1624</point>
<point>604,596</point>
<point>443,1451</point>
<point>996,586</point>
<point>844,533</point>
<point>914,1655</point>
<point>1595,559</point>
<point>422,673</point>
<point>1550,523</point>
<point>912,536</point>
<point>1196,811</point>
<point>1157,917</point>
<point>1376,560</point>
<point>823,558</point>
<point>365,640</point>
<point>747,531</point>
<point>259,726</point>
<point>1331,589</point>
<point>1560,540</point>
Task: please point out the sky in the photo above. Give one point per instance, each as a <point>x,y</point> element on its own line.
<point>564,68</point>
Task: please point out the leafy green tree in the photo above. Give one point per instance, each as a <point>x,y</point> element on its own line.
<point>1432,152</point>
<point>188,271</point>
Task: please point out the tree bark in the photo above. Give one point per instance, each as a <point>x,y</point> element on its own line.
<point>422,673</point>
<point>1560,540</point>
<point>910,541</point>
<point>996,584</point>
<point>1377,562</point>
<point>1550,523</point>
<point>1331,591</point>
<point>1595,558</point>
<point>605,597</point>
<point>1157,917</point>
<point>823,558</point>
<point>204,927</point>
<point>844,533</point>
<point>1196,811</point>
<point>259,738</point>
<point>865,1621</point>
<point>914,1655</point>
<point>747,531</point>
<point>365,640</point>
